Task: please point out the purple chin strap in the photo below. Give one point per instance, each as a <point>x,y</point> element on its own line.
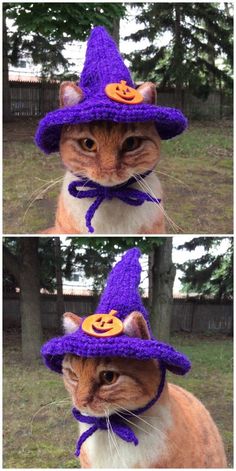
<point>123,192</point>
<point>117,423</point>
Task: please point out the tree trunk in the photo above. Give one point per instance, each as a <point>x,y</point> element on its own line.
<point>60,298</point>
<point>178,57</point>
<point>116,31</point>
<point>162,278</point>
<point>7,115</point>
<point>31,328</point>
<point>211,55</point>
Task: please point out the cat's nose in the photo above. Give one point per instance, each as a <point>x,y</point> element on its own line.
<point>109,163</point>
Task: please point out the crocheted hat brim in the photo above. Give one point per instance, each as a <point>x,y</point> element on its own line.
<point>81,344</point>
<point>169,121</point>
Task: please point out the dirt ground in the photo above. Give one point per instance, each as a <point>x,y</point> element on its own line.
<point>195,171</point>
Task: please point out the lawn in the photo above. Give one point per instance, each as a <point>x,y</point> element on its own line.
<point>39,431</point>
<point>195,171</point>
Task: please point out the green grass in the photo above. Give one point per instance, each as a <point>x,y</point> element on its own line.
<point>211,379</point>
<point>39,431</point>
<point>200,200</point>
<point>195,171</point>
<point>26,173</point>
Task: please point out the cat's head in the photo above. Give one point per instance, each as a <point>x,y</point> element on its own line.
<point>105,385</point>
<point>106,152</point>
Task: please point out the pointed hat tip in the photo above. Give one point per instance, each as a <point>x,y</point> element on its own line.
<point>99,30</point>
<point>132,254</point>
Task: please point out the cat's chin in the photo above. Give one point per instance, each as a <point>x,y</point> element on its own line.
<point>111,181</point>
<point>95,413</point>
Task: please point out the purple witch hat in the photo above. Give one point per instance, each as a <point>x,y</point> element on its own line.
<point>109,332</point>
<point>99,100</point>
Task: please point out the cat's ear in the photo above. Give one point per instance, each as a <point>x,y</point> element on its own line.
<point>71,322</point>
<point>70,94</point>
<point>148,92</point>
<point>136,326</point>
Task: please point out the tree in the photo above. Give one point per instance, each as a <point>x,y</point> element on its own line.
<point>59,286</point>
<point>43,30</point>
<point>162,275</point>
<point>212,273</point>
<point>6,88</point>
<point>201,39</point>
<point>51,260</point>
<point>32,263</point>
<point>25,269</point>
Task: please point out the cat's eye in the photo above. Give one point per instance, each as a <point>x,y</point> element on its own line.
<point>131,143</point>
<point>87,144</point>
<point>108,377</point>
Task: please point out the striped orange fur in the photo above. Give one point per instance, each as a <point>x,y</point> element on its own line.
<point>177,432</point>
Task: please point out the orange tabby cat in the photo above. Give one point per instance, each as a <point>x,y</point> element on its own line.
<point>176,432</point>
<point>109,153</point>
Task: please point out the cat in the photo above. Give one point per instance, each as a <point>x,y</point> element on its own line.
<point>110,154</point>
<point>176,432</point>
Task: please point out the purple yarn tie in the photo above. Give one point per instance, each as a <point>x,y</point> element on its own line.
<point>128,195</point>
<point>100,423</point>
<point>117,423</point>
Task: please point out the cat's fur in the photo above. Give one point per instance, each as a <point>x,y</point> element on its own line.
<point>176,432</point>
<point>109,164</point>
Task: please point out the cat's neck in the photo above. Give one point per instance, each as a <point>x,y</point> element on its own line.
<point>106,450</point>
<point>113,217</point>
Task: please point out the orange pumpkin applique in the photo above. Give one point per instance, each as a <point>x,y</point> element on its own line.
<point>122,93</point>
<point>103,325</point>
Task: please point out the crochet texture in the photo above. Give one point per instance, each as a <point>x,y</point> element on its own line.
<point>104,65</point>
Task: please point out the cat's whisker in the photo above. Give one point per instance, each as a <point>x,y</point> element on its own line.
<point>87,179</point>
<point>146,422</point>
<point>169,176</point>
<point>133,423</point>
<point>49,404</point>
<point>108,431</point>
<point>142,183</point>
<point>170,221</point>
<point>41,193</point>
<point>140,418</point>
<point>173,178</point>
<point>46,182</point>
<point>145,186</point>
<point>115,442</point>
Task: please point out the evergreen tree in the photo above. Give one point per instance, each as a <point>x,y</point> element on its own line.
<point>212,273</point>
<point>199,54</point>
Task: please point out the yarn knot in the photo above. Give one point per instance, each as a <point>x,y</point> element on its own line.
<point>123,192</point>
